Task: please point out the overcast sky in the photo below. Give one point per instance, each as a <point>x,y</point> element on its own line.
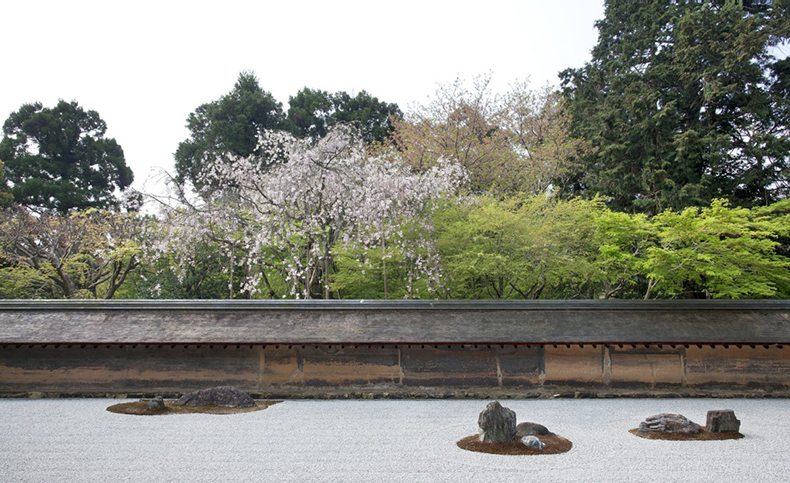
<point>144,66</point>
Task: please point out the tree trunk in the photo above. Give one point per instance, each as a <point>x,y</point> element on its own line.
<point>65,283</point>
<point>308,276</point>
<point>230,283</point>
<point>650,285</point>
<point>384,265</point>
<point>326,275</point>
<point>411,279</point>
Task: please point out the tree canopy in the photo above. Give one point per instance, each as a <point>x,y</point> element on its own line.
<point>661,169</point>
<point>59,159</point>
<point>519,142</point>
<point>312,113</point>
<point>684,102</point>
<point>540,247</point>
<point>227,127</point>
<point>6,198</point>
<point>283,223</point>
<point>83,254</point>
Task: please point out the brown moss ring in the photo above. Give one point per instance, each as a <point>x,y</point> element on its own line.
<point>554,445</point>
<point>701,436</point>
<point>140,408</point>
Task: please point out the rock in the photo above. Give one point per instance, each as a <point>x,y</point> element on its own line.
<point>497,424</point>
<point>722,421</point>
<point>156,404</point>
<point>668,423</point>
<point>227,396</point>
<point>525,429</point>
<point>533,442</point>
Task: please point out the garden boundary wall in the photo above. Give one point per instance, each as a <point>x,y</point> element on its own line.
<point>483,349</point>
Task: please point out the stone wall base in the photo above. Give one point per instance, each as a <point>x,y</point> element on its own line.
<point>397,371</point>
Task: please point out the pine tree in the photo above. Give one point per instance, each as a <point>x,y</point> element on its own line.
<point>683,103</point>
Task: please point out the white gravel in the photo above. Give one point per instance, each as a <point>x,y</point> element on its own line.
<point>380,441</point>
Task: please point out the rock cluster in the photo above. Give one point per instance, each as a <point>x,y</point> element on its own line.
<point>722,421</point>
<point>497,423</point>
<point>668,423</point>
<point>227,396</point>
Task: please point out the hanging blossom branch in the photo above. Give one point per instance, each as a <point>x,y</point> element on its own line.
<point>394,216</point>
<point>288,213</point>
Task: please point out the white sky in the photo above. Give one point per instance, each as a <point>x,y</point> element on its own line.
<point>144,66</point>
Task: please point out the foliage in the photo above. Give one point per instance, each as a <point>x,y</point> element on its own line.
<point>622,241</point>
<point>685,110</point>
<point>361,274</point>
<point>6,198</point>
<point>205,277</point>
<point>227,128</point>
<point>285,215</point>
<point>312,113</point>
<point>519,142</point>
<point>541,247</point>
<point>58,158</point>
<point>309,113</point>
<point>718,252</point>
<point>683,102</point>
<point>529,247</point>
<point>456,124</point>
<point>22,283</point>
<point>82,254</point>
<point>541,144</point>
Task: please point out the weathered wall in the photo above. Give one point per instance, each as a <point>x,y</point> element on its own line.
<point>420,348</point>
<point>296,322</point>
<point>458,370</point>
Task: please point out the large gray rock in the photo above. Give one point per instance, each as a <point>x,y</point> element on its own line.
<point>668,423</point>
<point>526,429</point>
<point>722,421</point>
<point>497,424</point>
<point>227,396</point>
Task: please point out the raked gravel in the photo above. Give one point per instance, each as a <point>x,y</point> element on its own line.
<point>381,441</point>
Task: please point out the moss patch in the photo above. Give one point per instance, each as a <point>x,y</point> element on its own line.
<point>140,408</point>
<point>554,445</point>
<point>701,436</point>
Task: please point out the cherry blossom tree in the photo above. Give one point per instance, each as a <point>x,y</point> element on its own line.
<point>516,142</point>
<point>286,221</point>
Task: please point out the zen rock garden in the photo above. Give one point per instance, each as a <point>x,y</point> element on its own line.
<point>499,434</point>
<point>720,424</point>
<point>215,400</point>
